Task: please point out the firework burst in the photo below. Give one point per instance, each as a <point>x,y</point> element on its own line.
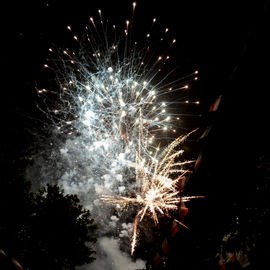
<point>159,190</point>
<point>112,114</point>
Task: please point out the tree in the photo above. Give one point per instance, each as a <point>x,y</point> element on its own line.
<point>59,233</point>
<point>43,230</point>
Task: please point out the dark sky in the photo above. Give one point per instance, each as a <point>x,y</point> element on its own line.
<point>225,40</point>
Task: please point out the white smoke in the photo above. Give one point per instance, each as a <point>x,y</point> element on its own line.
<point>110,257</point>
<point>73,168</point>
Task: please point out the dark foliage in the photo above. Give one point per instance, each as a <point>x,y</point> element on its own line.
<point>59,232</point>
<point>44,230</point>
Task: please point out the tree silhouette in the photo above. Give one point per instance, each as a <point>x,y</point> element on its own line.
<point>59,232</point>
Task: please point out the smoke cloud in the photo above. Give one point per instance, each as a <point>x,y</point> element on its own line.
<point>110,257</point>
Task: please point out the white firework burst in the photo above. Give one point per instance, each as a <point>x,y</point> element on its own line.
<point>112,110</point>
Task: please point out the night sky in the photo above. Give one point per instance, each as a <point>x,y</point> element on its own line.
<point>225,40</point>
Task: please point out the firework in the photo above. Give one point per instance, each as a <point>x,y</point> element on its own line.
<point>159,192</point>
<point>112,114</point>
<point>109,89</point>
